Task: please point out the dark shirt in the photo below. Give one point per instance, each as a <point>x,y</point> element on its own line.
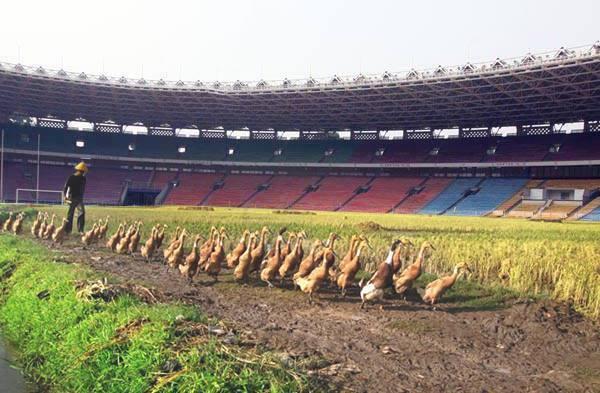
<point>76,186</point>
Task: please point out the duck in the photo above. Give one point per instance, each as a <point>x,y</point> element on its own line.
<point>293,259</point>
<point>88,237</point>
<point>381,279</point>
<point>160,235</point>
<point>17,226</point>
<point>43,225</point>
<point>35,227</point>
<point>103,228</point>
<point>288,245</point>
<point>310,262</point>
<point>135,239</point>
<point>234,256</point>
<point>49,231</point>
<point>123,246</point>
<point>258,253</point>
<point>173,244</point>
<point>59,235</point>
<point>207,248</point>
<point>217,257</point>
<point>189,268</point>
<point>115,238</point>
<point>242,269</point>
<point>176,257</point>
<point>273,262</point>
<point>401,256</point>
<point>354,240</point>
<point>315,279</point>
<point>8,223</point>
<point>436,289</point>
<point>350,268</point>
<point>404,281</point>
<point>148,248</point>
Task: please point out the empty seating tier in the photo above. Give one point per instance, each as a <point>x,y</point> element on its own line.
<point>191,188</point>
<point>333,191</point>
<point>236,190</point>
<point>383,194</point>
<point>492,192</point>
<point>431,189</point>
<point>451,194</point>
<point>282,191</point>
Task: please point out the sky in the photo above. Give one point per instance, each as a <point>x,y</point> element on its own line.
<point>248,40</point>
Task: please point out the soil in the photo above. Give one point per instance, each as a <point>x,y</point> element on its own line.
<point>406,347</point>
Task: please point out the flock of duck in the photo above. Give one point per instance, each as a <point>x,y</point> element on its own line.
<point>285,262</point>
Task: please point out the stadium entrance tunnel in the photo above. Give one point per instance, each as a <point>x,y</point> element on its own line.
<point>140,197</point>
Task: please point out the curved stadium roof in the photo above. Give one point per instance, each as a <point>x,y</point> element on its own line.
<point>560,87</point>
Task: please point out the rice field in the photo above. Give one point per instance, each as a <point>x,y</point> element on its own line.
<point>558,260</point>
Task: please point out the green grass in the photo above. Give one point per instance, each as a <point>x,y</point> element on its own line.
<point>73,345</point>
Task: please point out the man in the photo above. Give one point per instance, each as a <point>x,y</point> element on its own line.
<point>73,191</point>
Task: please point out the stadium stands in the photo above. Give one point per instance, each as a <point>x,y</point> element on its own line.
<point>526,209</point>
<point>523,148</point>
<point>282,191</point>
<point>17,175</point>
<point>384,193</point>
<point>236,190</point>
<point>191,188</point>
<point>451,195</point>
<point>592,211</point>
<point>104,186</point>
<point>492,192</point>
<point>503,208</point>
<point>589,212</point>
<point>160,179</point>
<point>578,147</point>
<point>431,189</point>
<point>333,191</point>
<point>300,152</point>
<point>459,150</point>
<point>556,210</point>
<point>586,184</point>
<point>508,149</point>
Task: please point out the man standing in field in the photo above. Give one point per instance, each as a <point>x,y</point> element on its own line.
<point>73,192</point>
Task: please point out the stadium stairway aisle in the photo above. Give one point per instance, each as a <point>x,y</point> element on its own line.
<point>384,194</point>
<point>591,211</point>
<point>192,188</point>
<point>332,192</point>
<point>236,190</point>
<point>431,189</point>
<point>281,192</point>
<point>491,194</point>
<point>450,195</point>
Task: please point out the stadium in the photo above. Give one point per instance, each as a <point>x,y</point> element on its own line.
<point>433,229</point>
<point>509,138</point>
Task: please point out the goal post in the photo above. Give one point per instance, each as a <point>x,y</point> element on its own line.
<point>35,195</point>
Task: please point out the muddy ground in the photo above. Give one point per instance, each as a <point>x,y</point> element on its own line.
<point>406,347</point>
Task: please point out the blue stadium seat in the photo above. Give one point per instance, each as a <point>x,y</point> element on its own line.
<point>449,196</point>
<point>594,215</point>
<point>491,194</point>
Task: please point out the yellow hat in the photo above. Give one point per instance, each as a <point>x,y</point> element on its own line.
<point>81,167</point>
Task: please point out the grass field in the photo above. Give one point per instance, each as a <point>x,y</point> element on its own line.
<point>68,344</point>
<point>280,343</point>
<point>558,260</point>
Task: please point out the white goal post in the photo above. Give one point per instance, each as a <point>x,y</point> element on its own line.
<point>39,195</point>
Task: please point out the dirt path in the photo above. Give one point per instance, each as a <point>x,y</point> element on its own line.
<point>528,347</point>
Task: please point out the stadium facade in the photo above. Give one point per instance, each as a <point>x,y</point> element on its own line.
<point>340,156</point>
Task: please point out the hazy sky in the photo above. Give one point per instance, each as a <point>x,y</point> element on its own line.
<point>273,39</point>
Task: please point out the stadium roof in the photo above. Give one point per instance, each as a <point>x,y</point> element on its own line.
<point>562,86</point>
